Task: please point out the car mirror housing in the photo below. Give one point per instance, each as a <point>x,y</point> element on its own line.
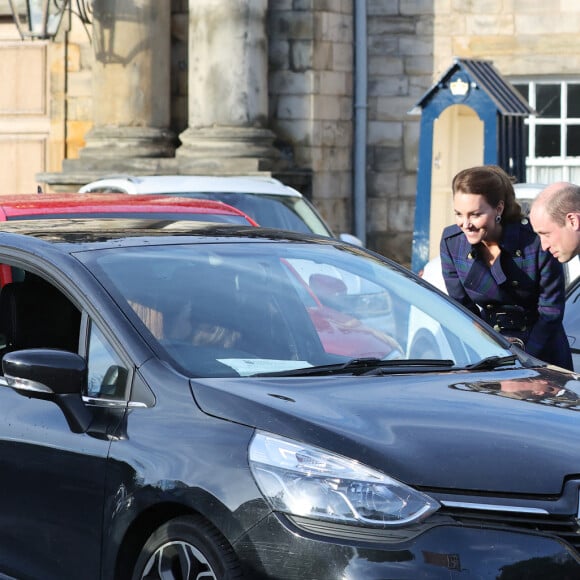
<point>45,370</point>
<point>56,375</point>
<point>351,239</point>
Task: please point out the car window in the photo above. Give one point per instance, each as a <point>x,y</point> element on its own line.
<point>273,211</point>
<point>35,314</point>
<point>107,375</point>
<point>105,189</point>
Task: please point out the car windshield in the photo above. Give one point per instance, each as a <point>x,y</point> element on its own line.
<point>284,212</point>
<point>255,308</point>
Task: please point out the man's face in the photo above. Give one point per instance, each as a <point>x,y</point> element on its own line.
<point>563,242</point>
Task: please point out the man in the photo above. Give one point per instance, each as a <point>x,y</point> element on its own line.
<point>555,217</point>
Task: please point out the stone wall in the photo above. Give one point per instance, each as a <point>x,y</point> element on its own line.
<point>400,63</point>
<point>311,97</point>
<point>521,37</point>
<point>71,92</point>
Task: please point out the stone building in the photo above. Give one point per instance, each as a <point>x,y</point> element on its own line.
<point>315,92</point>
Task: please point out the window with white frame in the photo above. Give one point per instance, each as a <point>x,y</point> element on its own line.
<point>553,135</point>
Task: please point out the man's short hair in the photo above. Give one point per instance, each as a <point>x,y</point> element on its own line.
<point>562,202</point>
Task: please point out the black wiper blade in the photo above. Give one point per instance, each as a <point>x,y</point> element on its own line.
<point>351,365</point>
<point>493,362</point>
<point>360,366</point>
<point>413,364</point>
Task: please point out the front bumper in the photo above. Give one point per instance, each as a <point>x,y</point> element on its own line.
<point>278,549</point>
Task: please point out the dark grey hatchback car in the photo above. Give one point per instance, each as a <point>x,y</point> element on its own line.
<point>185,400</point>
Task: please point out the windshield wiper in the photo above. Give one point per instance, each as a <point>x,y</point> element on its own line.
<point>363,366</point>
<point>492,362</point>
<point>410,364</point>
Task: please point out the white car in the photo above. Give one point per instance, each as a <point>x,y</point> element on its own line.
<point>268,201</point>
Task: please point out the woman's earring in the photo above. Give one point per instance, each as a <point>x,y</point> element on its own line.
<point>498,218</point>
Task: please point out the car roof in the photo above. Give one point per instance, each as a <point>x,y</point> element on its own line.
<point>21,206</point>
<point>75,233</point>
<point>192,184</point>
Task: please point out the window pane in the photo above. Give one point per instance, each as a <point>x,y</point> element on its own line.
<point>548,101</point>
<point>524,90</point>
<point>573,141</point>
<point>107,377</point>
<point>547,141</point>
<point>574,101</point>
<point>526,140</point>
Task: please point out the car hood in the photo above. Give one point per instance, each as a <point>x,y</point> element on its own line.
<point>511,431</point>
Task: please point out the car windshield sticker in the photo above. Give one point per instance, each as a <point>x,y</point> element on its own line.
<point>252,366</point>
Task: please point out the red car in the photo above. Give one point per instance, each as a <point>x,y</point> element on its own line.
<point>331,324</point>
<point>339,330</point>
<point>69,205</point>
<point>76,205</point>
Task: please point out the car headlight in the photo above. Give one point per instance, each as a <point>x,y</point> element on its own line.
<point>307,481</point>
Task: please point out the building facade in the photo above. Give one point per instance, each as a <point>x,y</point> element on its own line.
<point>318,93</point>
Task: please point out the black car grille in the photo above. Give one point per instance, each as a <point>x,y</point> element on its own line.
<point>563,527</point>
<point>566,528</point>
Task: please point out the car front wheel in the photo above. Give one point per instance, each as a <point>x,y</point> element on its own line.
<point>185,548</point>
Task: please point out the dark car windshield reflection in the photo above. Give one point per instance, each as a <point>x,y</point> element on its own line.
<point>535,389</point>
<point>257,309</point>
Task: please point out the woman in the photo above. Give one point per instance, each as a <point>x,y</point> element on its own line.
<point>493,264</point>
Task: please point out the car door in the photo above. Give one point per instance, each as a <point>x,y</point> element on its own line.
<point>51,492</point>
<point>572,322</point>
<point>52,484</point>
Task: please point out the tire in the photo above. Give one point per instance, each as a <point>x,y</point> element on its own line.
<point>187,548</point>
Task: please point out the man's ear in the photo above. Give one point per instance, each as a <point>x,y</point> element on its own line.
<point>573,219</point>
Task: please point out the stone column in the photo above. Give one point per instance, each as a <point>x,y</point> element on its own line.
<point>228,88</point>
<point>131,81</point>
<point>131,43</point>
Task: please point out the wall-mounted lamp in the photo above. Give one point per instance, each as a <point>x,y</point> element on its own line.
<point>42,18</point>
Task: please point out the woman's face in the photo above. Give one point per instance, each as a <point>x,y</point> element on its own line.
<point>477,218</point>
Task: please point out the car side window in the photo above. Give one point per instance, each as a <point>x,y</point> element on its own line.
<point>107,375</point>
<point>35,314</point>
<point>106,189</point>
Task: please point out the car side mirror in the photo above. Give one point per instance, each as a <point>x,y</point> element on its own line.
<point>350,239</point>
<point>54,375</point>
